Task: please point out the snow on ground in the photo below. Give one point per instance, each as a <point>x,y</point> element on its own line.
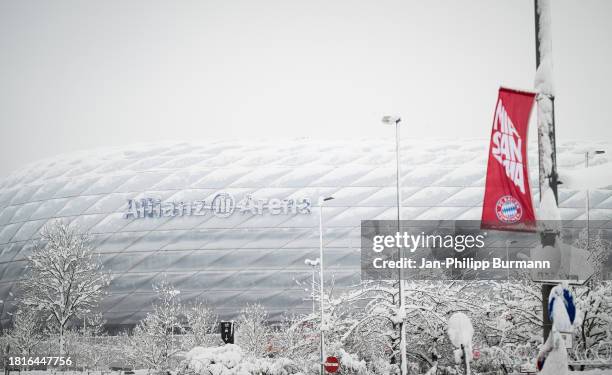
<point>230,360</point>
<point>607,371</point>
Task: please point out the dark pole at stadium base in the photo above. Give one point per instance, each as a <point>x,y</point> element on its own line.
<point>546,238</point>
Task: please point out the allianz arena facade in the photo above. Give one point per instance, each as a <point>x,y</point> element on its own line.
<point>232,223</point>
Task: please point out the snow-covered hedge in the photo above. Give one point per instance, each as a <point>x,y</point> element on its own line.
<point>230,360</point>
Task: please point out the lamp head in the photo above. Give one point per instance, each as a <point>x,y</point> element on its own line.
<point>391,120</point>
<point>324,199</point>
<point>312,262</point>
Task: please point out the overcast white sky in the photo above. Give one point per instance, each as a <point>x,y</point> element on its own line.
<point>82,74</point>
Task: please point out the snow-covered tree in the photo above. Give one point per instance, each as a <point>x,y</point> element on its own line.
<point>202,323</point>
<point>72,341</point>
<point>594,319</point>
<point>593,300</point>
<point>65,277</point>
<point>252,331</point>
<point>154,342</point>
<point>27,331</point>
<point>364,321</point>
<point>297,337</point>
<point>510,310</point>
<point>93,325</point>
<point>598,249</point>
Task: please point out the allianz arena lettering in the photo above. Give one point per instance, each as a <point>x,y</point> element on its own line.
<point>221,205</point>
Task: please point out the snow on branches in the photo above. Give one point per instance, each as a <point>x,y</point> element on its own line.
<point>65,277</point>
<point>252,331</point>
<point>202,323</point>
<point>27,331</point>
<point>155,341</point>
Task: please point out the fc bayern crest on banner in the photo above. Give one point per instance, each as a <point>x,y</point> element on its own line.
<point>508,210</point>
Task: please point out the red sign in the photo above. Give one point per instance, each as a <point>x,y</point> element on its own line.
<point>476,354</point>
<point>507,200</point>
<point>331,364</point>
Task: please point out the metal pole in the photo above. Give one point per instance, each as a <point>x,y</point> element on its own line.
<point>466,363</point>
<point>549,179</point>
<point>586,159</point>
<point>322,370</point>
<point>402,326</point>
<point>586,165</point>
<point>313,290</point>
<point>508,261</point>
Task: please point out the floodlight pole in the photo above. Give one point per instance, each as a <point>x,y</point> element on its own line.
<point>321,204</point>
<point>402,327</point>
<point>403,359</point>
<point>313,291</point>
<point>550,178</point>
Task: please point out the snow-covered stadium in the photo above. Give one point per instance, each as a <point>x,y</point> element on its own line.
<point>233,222</point>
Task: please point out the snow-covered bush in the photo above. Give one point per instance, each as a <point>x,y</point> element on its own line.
<point>221,358</point>
<point>298,338</point>
<point>350,364</point>
<point>490,360</point>
<point>155,342</point>
<point>231,360</point>
<point>594,319</point>
<point>253,333</point>
<point>27,331</point>
<point>202,323</point>
<point>93,347</point>
<point>594,300</point>
<point>514,312</point>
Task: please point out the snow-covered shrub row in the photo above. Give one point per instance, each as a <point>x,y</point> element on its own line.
<point>362,332</point>
<point>230,360</point>
<point>360,326</point>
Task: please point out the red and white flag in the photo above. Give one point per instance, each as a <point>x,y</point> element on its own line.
<point>507,200</point>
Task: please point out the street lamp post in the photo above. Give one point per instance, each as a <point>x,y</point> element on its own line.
<point>395,120</point>
<point>323,328</point>
<point>589,153</point>
<point>588,204</point>
<point>313,263</point>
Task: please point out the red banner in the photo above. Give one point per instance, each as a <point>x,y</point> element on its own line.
<point>507,200</point>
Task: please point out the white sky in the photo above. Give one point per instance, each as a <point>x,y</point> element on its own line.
<point>82,74</point>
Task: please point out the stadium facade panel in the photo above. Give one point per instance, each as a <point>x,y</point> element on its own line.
<point>232,223</point>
